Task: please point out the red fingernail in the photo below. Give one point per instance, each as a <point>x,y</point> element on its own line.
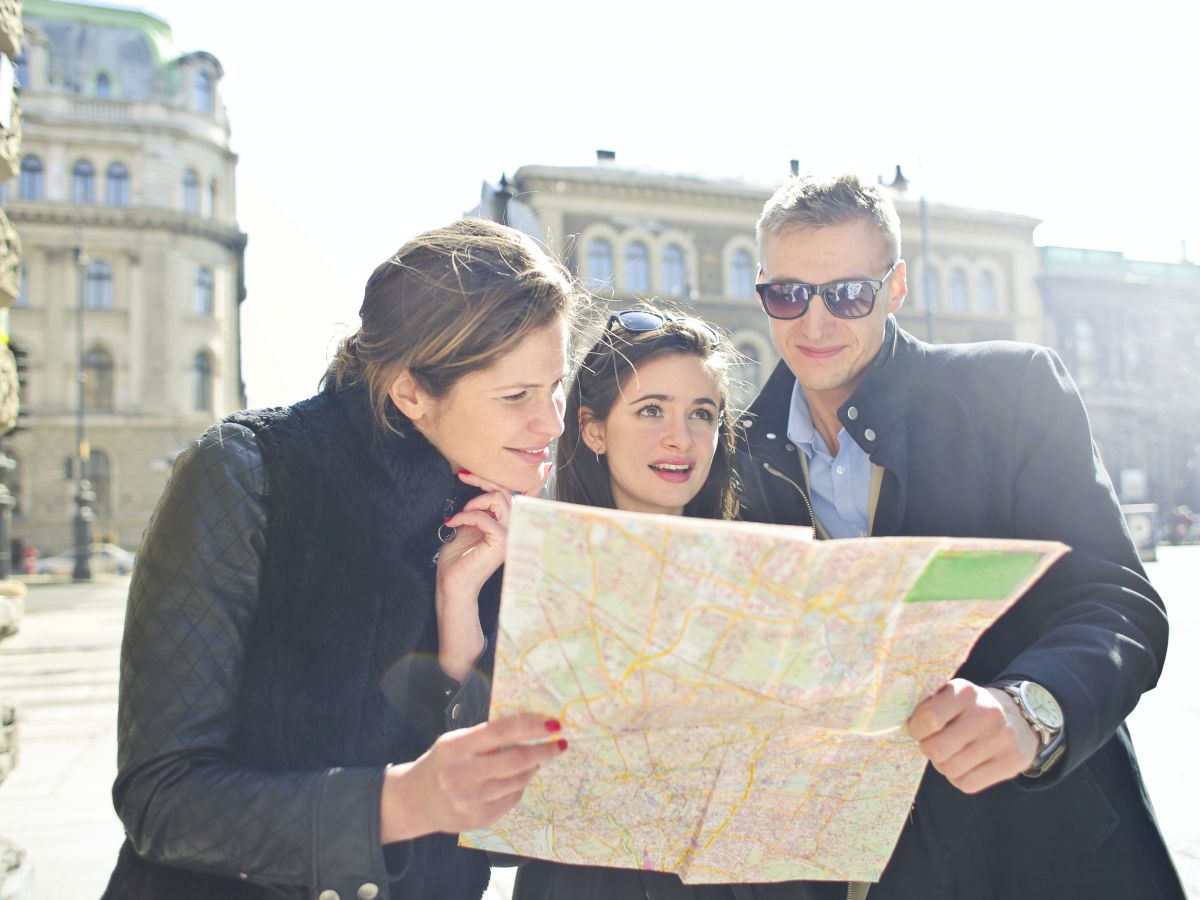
<point>553,725</point>
<point>463,472</point>
<point>562,744</point>
<point>549,468</point>
<point>447,521</point>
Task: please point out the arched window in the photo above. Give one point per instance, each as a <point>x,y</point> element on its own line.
<point>637,268</point>
<point>97,379</point>
<point>202,93</point>
<point>212,198</point>
<point>599,264</point>
<point>958,290</point>
<point>99,473</point>
<point>83,182</point>
<point>103,86</point>
<point>985,300</point>
<point>31,178</point>
<point>116,185</point>
<point>741,274</point>
<point>202,292</point>
<point>97,286</point>
<point>674,271</point>
<point>191,192</point>
<point>202,379</point>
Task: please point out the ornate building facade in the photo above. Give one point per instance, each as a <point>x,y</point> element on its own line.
<point>630,233</point>
<point>132,273</point>
<point>1129,331</point>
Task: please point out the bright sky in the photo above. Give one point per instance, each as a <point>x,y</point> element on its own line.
<point>358,124</point>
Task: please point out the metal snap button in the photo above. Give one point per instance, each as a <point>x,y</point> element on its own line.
<point>329,895</point>
<point>456,712</point>
<point>869,434</point>
<point>852,413</point>
<point>368,891</point>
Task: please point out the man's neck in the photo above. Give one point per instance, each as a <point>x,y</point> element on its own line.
<point>823,407</point>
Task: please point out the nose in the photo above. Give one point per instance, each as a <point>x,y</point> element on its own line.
<point>549,418</point>
<point>818,320</point>
<point>677,435</point>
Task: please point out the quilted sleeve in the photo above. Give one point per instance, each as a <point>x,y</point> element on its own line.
<point>182,798</point>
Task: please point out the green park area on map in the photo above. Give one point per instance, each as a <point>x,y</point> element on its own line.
<point>734,693</point>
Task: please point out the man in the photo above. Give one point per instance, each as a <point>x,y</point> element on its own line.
<point>1033,791</point>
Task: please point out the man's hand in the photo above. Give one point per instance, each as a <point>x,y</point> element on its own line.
<point>973,735</point>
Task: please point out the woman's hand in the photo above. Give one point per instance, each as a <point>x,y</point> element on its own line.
<point>464,565</point>
<point>468,778</point>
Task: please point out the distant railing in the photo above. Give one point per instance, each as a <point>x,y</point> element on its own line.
<point>113,110</point>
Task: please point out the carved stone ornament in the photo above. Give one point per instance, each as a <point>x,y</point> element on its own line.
<point>10,262</point>
<point>10,28</point>
<point>10,144</point>
<point>9,390</point>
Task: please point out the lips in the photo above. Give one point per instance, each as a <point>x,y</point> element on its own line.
<point>533,457</point>
<point>674,472</point>
<point>820,352</point>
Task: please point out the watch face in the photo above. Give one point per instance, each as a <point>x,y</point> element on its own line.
<point>1042,704</point>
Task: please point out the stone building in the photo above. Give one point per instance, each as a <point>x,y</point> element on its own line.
<point>1129,331</point>
<point>126,158</point>
<point>631,233</point>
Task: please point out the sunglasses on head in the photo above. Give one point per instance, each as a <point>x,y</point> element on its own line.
<point>849,299</point>
<point>639,321</point>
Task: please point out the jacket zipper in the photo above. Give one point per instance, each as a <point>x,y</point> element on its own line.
<point>851,892</point>
<point>812,516</point>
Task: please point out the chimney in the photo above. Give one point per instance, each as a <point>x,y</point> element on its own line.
<point>899,182</point>
<point>795,166</point>
<point>606,157</point>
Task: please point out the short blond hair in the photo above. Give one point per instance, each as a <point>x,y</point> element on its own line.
<point>809,201</point>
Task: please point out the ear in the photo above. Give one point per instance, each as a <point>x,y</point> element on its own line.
<point>899,287</point>
<point>591,430</point>
<point>408,397</point>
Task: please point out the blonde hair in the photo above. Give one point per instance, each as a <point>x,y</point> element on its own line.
<point>809,201</point>
<point>450,301</point>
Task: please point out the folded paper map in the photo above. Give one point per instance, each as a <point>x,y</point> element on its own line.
<point>734,694</point>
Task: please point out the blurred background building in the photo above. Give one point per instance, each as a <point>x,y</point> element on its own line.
<point>125,157</point>
<point>1129,331</point>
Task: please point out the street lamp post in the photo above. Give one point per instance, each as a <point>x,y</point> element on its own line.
<point>84,516</point>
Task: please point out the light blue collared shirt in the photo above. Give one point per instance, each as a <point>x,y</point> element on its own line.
<point>839,486</point>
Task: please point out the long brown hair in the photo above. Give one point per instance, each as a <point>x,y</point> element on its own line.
<point>450,301</point>
<point>583,477</point>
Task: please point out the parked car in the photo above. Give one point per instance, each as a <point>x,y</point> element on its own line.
<point>106,559</point>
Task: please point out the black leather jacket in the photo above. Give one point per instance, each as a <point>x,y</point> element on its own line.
<point>187,801</point>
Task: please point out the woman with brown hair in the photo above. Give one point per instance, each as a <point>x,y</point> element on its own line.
<point>308,615</point>
<point>648,428</point>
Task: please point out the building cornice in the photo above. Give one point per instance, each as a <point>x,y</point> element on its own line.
<point>141,218</point>
<point>629,184</point>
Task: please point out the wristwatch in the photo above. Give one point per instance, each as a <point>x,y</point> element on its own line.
<point>1039,708</point>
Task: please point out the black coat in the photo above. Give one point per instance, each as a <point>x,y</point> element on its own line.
<point>992,440</point>
<point>280,651</point>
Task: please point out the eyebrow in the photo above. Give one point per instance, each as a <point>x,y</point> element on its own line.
<point>663,398</point>
<point>524,386</point>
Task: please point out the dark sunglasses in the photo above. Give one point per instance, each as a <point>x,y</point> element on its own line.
<point>639,321</point>
<point>851,299</point>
